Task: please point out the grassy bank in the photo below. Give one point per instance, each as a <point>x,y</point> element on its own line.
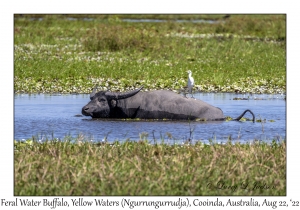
<point>138,168</point>
<point>59,53</point>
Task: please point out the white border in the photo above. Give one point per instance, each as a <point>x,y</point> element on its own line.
<point>270,6</point>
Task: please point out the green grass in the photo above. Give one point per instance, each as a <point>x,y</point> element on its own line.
<point>245,53</point>
<point>138,168</point>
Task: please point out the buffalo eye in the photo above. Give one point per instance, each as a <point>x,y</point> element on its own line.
<point>102,100</point>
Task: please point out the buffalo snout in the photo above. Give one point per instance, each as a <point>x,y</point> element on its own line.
<point>85,111</point>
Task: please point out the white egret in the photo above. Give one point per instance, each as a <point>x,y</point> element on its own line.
<point>190,83</point>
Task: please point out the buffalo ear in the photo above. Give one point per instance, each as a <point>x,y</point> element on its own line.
<point>113,103</point>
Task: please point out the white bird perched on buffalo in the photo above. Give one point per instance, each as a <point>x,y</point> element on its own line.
<point>190,83</point>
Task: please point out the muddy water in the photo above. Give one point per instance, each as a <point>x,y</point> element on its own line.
<point>55,116</point>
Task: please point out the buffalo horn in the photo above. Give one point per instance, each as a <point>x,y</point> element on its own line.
<point>93,93</point>
<point>116,96</point>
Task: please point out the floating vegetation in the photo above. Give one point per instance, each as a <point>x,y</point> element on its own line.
<point>243,119</point>
<point>236,98</point>
<point>261,120</point>
<point>71,85</point>
<point>227,118</point>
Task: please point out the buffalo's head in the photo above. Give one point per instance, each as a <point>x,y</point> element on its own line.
<point>103,101</point>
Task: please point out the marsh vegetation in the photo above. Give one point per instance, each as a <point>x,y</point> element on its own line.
<point>244,53</point>
<point>139,168</point>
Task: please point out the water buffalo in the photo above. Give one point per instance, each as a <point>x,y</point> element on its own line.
<point>158,104</point>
